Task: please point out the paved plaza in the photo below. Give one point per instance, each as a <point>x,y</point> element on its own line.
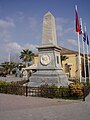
<point>11,78</point>
<point>14,107</point>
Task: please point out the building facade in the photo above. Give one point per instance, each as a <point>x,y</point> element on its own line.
<point>70,65</point>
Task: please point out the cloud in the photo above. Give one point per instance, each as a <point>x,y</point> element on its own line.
<point>69,30</point>
<point>5,29</point>
<point>8,44</point>
<point>5,24</point>
<point>64,26</point>
<point>33,23</point>
<point>72,42</point>
<point>17,48</point>
<point>14,47</point>
<point>31,47</point>
<point>61,20</point>
<point>61,28</point>
<point>35,28</point>
<point>20,16</point>
<point>65,33</point>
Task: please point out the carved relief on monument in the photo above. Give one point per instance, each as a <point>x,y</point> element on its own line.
<point>45,59</point>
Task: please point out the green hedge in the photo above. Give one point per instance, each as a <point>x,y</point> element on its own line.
<point>54,92</point>
<point>12,87</point>
<point>73,91</point>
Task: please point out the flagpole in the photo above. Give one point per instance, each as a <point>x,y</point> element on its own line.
<point>9,57</point>
<point>78,31</point>
<point>83,49</point>
<point>88,63</point>
<point>79,59</point>
<point>87,56</point>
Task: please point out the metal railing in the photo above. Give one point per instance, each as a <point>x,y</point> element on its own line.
<point>42,91</point>
<point>34,91</point>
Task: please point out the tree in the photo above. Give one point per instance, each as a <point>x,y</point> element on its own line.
<point>63,58</point>
<point>8,66</point>
<point>26,56</point>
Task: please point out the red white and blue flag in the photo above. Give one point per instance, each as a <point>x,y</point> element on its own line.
<point>78,27</point>
<point>85,38</point>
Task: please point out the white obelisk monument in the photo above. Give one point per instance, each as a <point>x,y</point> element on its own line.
<point>49,68</point>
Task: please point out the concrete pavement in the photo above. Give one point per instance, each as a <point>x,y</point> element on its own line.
<point>11,78</point>
<point>14,107</point>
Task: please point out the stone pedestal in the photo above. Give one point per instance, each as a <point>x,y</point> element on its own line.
<point>49,77</point>
<point>49,69</point>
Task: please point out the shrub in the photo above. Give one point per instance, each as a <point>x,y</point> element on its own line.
<point>4,83</point>
<point>12,87</point>
<point>3,86</point>
<point>53,91</point>
<point>19,83</point>
<point>76,89</point>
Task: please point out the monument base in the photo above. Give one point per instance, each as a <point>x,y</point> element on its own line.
<point>50,77</point>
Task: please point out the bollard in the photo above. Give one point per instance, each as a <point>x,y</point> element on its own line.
<point>84,94</point>
<point>26,90</point>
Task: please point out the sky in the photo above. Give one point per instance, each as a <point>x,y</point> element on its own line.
<point>21,24</point>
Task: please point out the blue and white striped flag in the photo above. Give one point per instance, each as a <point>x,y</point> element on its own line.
<point>84,36</point>
<point>87,41</point>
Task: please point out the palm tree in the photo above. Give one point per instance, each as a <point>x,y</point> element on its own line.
<point>26,56</point>
<point>8,66</point>
<point>63,58</point>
